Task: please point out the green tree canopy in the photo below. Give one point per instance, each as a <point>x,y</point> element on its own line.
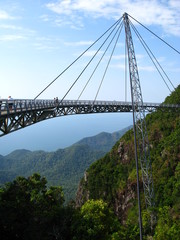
<point>96,221</point>
<point>27,207</point>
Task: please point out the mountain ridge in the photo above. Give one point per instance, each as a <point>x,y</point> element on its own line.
<point>62,167</point>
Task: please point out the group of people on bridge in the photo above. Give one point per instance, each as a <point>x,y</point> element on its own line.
<point>56,101</point>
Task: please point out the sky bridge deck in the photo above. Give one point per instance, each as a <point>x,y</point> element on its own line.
<point>10,107</point>
<point>19,113</point>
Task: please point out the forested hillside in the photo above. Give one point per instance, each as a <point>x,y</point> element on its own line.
<point>113,177</point>
<point>104,141</point>
<point>63,167</point>
<point>106,204</point>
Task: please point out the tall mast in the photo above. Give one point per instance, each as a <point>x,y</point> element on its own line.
<point>139,124</point>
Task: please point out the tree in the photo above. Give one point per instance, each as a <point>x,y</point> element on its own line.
<point>167,228</point>
<point>29,210</point>
<point>96,221</point>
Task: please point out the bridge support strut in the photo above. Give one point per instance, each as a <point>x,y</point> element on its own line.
<point>140,131</point>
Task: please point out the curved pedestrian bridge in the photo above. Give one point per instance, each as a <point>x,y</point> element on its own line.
<point>19,113</point>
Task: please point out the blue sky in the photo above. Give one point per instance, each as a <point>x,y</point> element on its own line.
<point>40,38</point>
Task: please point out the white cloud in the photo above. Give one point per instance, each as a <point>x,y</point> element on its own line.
<point>146,68</point>
<point>61,7</point>
<point>46,43</point>
<point>122,57</point>
<point>4,15</point>
<point>11,27</point>
<point>118,66</point>
<point>92,53</point>
<point>45,18</point>
<point>43,46</point>
<point>89,53</point>
<point>74,21</point>
<point>174,3</point>
<point>80,43</point>
<point>140,67</point>
<point>15,33</point>
<point>11,37</point>
<point>163,13</point>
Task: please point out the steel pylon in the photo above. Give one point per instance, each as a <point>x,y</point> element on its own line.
<point>140,131</point>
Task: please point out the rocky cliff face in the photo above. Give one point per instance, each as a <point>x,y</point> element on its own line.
<point>82,194</point>
<point>123,197</point>
<point>124,201</point>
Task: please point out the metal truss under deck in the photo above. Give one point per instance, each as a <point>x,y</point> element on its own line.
<point>18,114</point>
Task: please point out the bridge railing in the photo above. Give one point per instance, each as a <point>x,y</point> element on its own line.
<point>22,105</point>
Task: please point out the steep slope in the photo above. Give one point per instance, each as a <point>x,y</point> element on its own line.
<point>113,177</point>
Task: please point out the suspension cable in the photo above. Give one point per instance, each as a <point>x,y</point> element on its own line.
<point>148,52</point>
<point>115,24</point>
<point>155,35</point>
<point>88,63</point>
<point>100,60</point>
<point>135,29</point>
<point>108,63</point>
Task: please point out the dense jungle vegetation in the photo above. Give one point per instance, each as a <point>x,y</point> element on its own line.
<point>63,167</point>
<point>107,202</point>
<point>113,178</point>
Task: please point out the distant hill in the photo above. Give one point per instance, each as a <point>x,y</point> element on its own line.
<point>103,141</point>
<point>63,167</point>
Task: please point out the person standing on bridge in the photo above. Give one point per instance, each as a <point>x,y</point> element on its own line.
<point>57,101</point>
<point>10,103</point>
